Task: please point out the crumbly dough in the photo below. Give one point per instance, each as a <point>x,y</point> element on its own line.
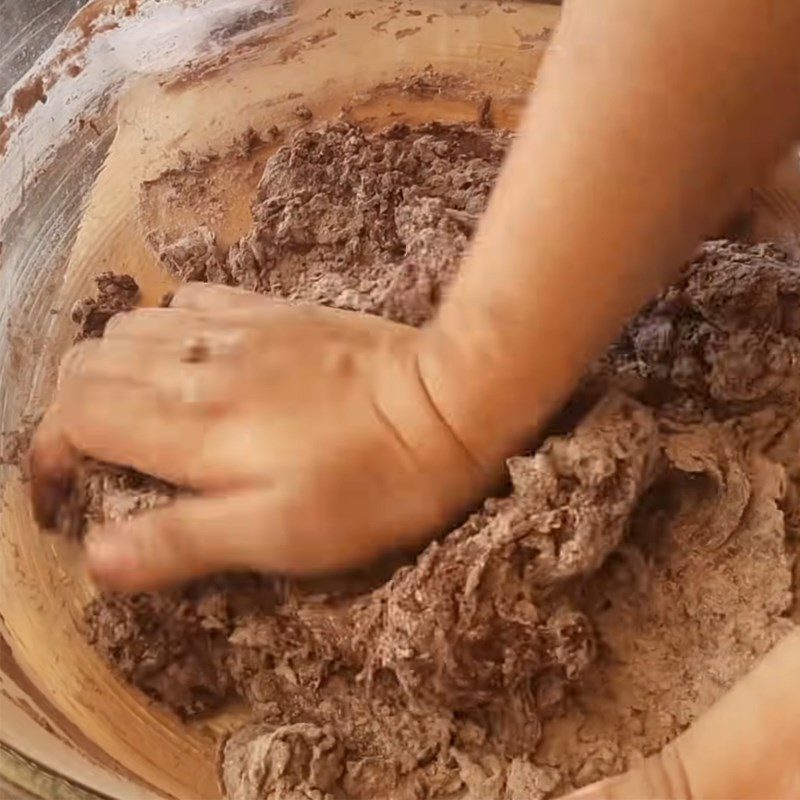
<point>367,222</point>
<point>640,563</point>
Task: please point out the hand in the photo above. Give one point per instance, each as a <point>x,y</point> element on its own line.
<point>307,435</point>
<point>746,747</point>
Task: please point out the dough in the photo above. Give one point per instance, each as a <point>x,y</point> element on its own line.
<point>640,563</point>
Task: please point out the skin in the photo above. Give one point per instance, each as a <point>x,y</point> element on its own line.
<point>322,438</point>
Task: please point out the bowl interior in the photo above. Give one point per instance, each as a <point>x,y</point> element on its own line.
<point>92,210</point>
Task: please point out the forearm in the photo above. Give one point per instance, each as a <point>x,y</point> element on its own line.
<point>649,122</point>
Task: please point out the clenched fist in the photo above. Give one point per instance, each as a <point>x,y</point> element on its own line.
<point>308,437</point>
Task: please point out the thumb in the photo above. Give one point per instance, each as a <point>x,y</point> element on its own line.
<point>746,747</point>
<point>190,538</point>
<point>216,297</point>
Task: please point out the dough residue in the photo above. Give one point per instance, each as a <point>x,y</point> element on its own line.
<point>643,559</point>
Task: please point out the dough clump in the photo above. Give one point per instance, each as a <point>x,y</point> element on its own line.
<point>640,563</point>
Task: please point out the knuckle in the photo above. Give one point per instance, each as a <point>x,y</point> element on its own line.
<point>202,394</point>
<point>118,324</point>
<point>230,343</point>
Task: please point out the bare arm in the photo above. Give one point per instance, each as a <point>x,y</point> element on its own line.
<point>650,120</point>
<point>307,436</point>
<point>744,747</point>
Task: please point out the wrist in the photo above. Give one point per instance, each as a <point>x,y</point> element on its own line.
<point>484,395</point>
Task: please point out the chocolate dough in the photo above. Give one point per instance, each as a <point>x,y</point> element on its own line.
<point>367,222</point>
<point>115,294</point>
<point>640,563</point>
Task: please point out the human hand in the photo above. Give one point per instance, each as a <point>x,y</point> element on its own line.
<point>307,435</point>
<point>746,747</point>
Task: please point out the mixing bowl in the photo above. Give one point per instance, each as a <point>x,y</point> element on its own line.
<point>94,116</point>
<point>107,108</point>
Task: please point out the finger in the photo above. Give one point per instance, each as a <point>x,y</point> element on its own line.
<point>255,529</point>
<point>214,297</point>
<point>135,425</point>
<point>746,746</point>
<point>188,539</point>
<point>197,366</point>
<point>125,359</point>
<point>160,324</point>
<point>236,306</point>
<point>51,465</point>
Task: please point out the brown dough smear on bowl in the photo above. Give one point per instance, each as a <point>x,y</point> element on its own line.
<point>640,563</point>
